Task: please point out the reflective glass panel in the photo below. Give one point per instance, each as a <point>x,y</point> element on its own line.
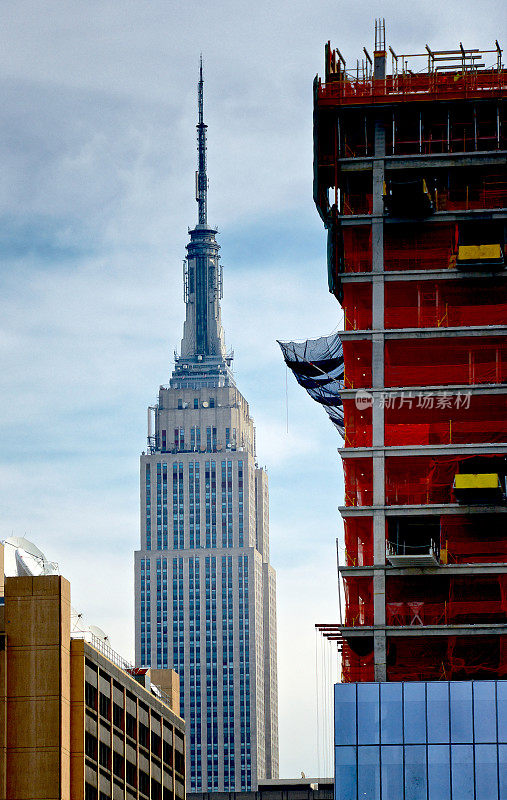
<point>345,713</point>
<point>502,758</point>
<point>439,773</point>
<point>501,693</point>
<point>391,714</point>
<point>368,713</point>
<point>461,711</point>
<point>345,773</point>
<point>462,766</point>
<point>484,711</point>
<point>486,772</point>
<point>368,777</point>
<point>438,712</point>
<point>414,717</point>
<point>415,772</point>
<point>392,771</point>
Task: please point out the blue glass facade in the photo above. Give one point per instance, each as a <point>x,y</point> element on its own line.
<point>441,740</point>
<point>145,581</point>
<point>194,497</point>
<point>194,613</point>
<point>178,507</point>
<point>244,673</point>
<point>148,506</point>
<point>211,672</point>
<point>228,670</point>
<point>179,628</point>
<point>161,613</point>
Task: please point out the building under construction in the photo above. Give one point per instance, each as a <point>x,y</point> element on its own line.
<point>410,182</point>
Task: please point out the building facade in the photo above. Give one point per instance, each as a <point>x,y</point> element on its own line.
<point>434,740</point>
<point>205,590</point>
<point>410,183</point>
<point>292,789</point>
<point>415,200</point>
<point>75,724</point>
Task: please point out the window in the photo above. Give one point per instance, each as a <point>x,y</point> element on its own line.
<point>90,696</point>
<point>117,715</point>
<point>130,773</point>
<point>180,403</point>
<point>118,765</point>
<point>144,735</point>
<point>104,755</point>
<point>90,746</point>
<point>144,782</point>
<point>180,762</point>
<point>90,792</point>
<point>168,754</point>
<point>212,402</point>
<point>196,402</point>
<point>155,744</point>
<point>131,726</point>
<point>104,706</point>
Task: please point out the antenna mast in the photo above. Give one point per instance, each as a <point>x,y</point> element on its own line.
<point>201,177</point>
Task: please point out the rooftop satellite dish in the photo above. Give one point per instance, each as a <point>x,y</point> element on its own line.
<point>98,633</point>
<point>23,558</point>
<point>76,621</point>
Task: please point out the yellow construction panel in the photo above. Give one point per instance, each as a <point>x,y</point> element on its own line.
<point>479,252</point>
<point>476,481</point>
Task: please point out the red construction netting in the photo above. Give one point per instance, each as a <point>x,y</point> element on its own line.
<point>357,423</point>
<point>358,600</point>
<point>477,657</point>
<point>427,480</point>
<point>357,248</point>
<point>357,203</point>
<point>440,361</point>
<point>418,246</point>
<point>357,306</point>
<point>357,362</point>
<point>426,304</point>
<point>446,657</point>
<point>358,541</point>
<point>456,419</point>
<point>446,600</point>
<point>358,474</point>
<point>475,538</point>
<point>488,192</point>
<point>356,666</point>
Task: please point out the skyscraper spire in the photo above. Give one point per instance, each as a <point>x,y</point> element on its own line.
<point>201,177</point>
<point>203,358</point>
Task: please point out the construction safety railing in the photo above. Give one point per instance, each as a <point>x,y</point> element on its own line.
<point>447,612</point>
<point>406,86</point>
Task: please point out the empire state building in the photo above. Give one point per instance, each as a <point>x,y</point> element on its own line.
<point>205,599</point>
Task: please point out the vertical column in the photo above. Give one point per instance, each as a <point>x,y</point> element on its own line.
<point>37,627</point>
<point>377,243</point>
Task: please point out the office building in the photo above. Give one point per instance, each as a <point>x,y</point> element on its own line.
<point>76,722</point>
<point>410,182</point>
<point>277,789</point>
<point>205,590</point>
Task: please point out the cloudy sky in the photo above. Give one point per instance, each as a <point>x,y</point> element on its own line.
<point>98,154</point>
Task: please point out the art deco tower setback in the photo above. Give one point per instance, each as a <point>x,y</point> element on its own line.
<point>205,590</point>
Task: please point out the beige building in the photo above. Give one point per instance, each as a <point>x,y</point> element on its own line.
<point>74,724</point>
